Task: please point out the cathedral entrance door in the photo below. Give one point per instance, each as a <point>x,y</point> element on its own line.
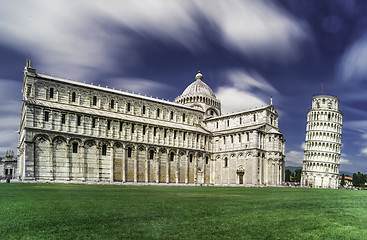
<point>241,178</point>
<point>240,174</point>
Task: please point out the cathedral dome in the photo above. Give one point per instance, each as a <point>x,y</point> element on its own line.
<point>198,88</point>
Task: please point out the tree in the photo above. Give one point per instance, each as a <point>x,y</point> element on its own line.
<point>342,182</point>
<point>359,179</point>
<point>298,173</point>
<point>288,175</point>
<point>355,180</point>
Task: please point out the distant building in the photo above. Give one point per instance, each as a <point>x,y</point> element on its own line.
<point>8,165</point>
<point>323,142</point>
<point>347,180</point>
<point>72,131</point>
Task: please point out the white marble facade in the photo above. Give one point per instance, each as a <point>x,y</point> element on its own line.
<point>323,142</point>
<point>72,131</point>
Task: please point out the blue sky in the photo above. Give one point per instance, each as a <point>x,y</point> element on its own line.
<point>247,51</point>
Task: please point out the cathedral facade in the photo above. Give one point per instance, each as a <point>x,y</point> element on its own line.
<point>77,132</point>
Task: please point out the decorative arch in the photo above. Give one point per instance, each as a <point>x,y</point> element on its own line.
<point>44,136</point>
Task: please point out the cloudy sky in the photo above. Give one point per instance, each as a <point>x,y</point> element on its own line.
<point>247,51</point>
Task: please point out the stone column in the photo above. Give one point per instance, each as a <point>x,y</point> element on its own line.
<point>201,161</point>
<point>53,153</point>
<point>221,169</point>
<point>123,163</point>
<point>196,168</point>
<point>272,173</point>
<point>178,160</point>
<point>69,154</point>
<point>112,163</point>
<point>279,172</point>
<point>83,157</point>
<point>187,168</point>
<point>260,161</point>
<point>266,165</point>
<point>157,165</point>
<point>146,166</point>
<point>99,155</point>
<point>255,176</point>
<point>204,165</point>
<point>212,170</point>
<point>168,166</point>
<point>136,164</point>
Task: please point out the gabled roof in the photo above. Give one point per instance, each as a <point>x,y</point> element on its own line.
<point>119,92</point>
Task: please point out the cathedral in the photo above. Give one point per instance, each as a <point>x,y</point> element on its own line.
<point>77,132</point>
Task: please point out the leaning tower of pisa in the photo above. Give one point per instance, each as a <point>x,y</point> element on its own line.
<point>323,143</point>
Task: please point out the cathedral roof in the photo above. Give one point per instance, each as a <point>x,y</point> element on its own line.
<point>120,92</point>
<point>198,88</point>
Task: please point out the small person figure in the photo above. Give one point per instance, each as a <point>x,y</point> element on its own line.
<point>8,179</point>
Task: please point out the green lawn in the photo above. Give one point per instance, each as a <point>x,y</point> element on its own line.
<point>45,211</point>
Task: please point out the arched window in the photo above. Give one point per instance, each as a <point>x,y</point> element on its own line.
<point>51,92</point>
<point>75,147</point>
<point>73,97</point>
<point>128,107</point>
<point>158,113</point>
<point>171,115</point>
<point>112,104</point>
<point>172,156</point>
<point>211,112</point>
<point>206,160</point>
<point>104,149</point>
<point>183,117</point>
<point>129,152</point>
<point>151,154</point>
<point>143,110</point>
<point>190,157</point>
<point>226,162</point>
<point>63,118</point>
<point>46,116</point>
<point>94,102</point>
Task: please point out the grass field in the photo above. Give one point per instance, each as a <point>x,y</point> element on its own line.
<point>45,211</point>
